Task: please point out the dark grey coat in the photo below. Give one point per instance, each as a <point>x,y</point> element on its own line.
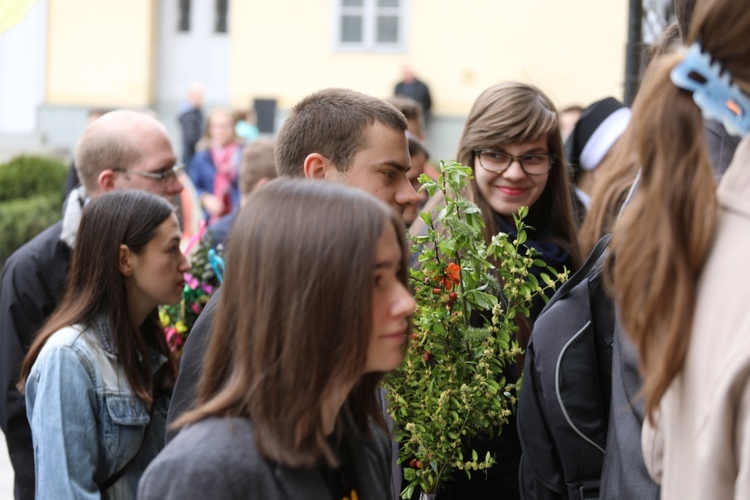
<point>217,458</point>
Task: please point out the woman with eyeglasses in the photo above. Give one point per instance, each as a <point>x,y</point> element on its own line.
<point>513,143</point>
<point>98,376</point>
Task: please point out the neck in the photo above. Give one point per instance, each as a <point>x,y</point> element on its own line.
<point>333,400</point>
<point>139,309</point>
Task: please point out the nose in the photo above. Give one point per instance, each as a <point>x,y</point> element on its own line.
<point>406,194</point>
<point>404,305</point>
<point>514,171</point>
<point>184,265</point>
<point>172,186</point>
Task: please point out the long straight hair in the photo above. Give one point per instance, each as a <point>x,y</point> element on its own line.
<point>620,166</point>
<point>661,242</point>
<point>512,113</point>
<point>295,317</point>
<point>95,286</point>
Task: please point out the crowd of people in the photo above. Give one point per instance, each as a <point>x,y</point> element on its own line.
<point>278,389</point>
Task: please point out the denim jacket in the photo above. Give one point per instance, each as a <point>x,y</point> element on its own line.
<point>86,421</point>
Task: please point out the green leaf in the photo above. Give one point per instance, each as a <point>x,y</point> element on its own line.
<point>521,237</point>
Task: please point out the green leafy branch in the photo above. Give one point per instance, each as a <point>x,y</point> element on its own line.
<point>451,385</point>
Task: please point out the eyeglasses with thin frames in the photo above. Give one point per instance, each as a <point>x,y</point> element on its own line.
<point>499,161</point>
<point>162,177</point>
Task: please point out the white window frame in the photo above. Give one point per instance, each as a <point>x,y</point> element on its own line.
<point>369,12</point>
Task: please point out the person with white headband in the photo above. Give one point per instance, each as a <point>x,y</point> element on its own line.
<point>600,126</point>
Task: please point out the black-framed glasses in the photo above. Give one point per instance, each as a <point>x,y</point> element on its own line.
<point>499,161</point>
<point>163,176</point>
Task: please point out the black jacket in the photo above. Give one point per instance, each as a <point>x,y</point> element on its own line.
<point>186,388</point>
<point>30,289</point>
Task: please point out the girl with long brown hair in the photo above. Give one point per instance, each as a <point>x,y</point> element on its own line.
<point>680,262</point>
<point>98,376</point>
<point>513,143</point>
<point>314,311</point>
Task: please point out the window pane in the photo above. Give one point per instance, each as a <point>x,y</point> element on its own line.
<point>388,3</point>
<point>352,3</point>
<point>351,28</point>
<point>387,29</point>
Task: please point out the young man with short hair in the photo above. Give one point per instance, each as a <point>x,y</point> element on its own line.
<point>336,135</point>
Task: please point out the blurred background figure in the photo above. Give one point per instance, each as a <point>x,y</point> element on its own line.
<point>246,125</point>
<point>256,169</point>
<point>416,134</point>
<point>191,121</point>
<point>600,126</point>
<point>419,157</point>
<point>568,119</point>
<point>412,110</point>
<point>213,169</point>
<point>411,86</point>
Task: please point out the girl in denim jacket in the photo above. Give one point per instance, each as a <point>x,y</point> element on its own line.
<point>97,377</point>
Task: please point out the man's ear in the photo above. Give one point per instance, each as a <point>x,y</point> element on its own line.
<point>106,180</point>
<point>126,260</point>
<point>317,166</point>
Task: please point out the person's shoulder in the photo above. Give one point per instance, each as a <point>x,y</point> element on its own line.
<point>215,457</point>
<point>36,254</point>
<point>217,443</point>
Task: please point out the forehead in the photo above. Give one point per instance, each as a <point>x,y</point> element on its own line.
<point>153,150</point>
<point>169,229</point>
<point>382,145</point>
<point>389,250</point>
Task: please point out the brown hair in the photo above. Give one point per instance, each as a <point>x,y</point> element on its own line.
<point>683,10</point>
<point>412,111</point>
<point>205,141</point>
<point>512,113</point>
<point>620,166</point>
<point>664,236</point>
<point>257,163</point>
<point>618,171</point>
<point>294,319</point>
<point>333,123</point>
<point>95,286</point>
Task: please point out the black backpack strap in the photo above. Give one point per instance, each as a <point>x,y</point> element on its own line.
<point>111,480</point>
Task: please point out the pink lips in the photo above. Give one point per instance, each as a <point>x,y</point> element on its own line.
<point>395,336</point>
<point>510,191</point>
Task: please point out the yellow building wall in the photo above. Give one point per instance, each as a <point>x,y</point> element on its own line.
<point>100,52</point>
<point>574,50</point>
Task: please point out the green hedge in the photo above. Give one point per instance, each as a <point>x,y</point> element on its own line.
<point>27,176</point>
<point>31,197</point>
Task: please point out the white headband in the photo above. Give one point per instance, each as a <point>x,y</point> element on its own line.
<point>603,138</point>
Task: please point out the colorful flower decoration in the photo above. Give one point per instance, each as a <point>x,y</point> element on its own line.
<point>201,281</point>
